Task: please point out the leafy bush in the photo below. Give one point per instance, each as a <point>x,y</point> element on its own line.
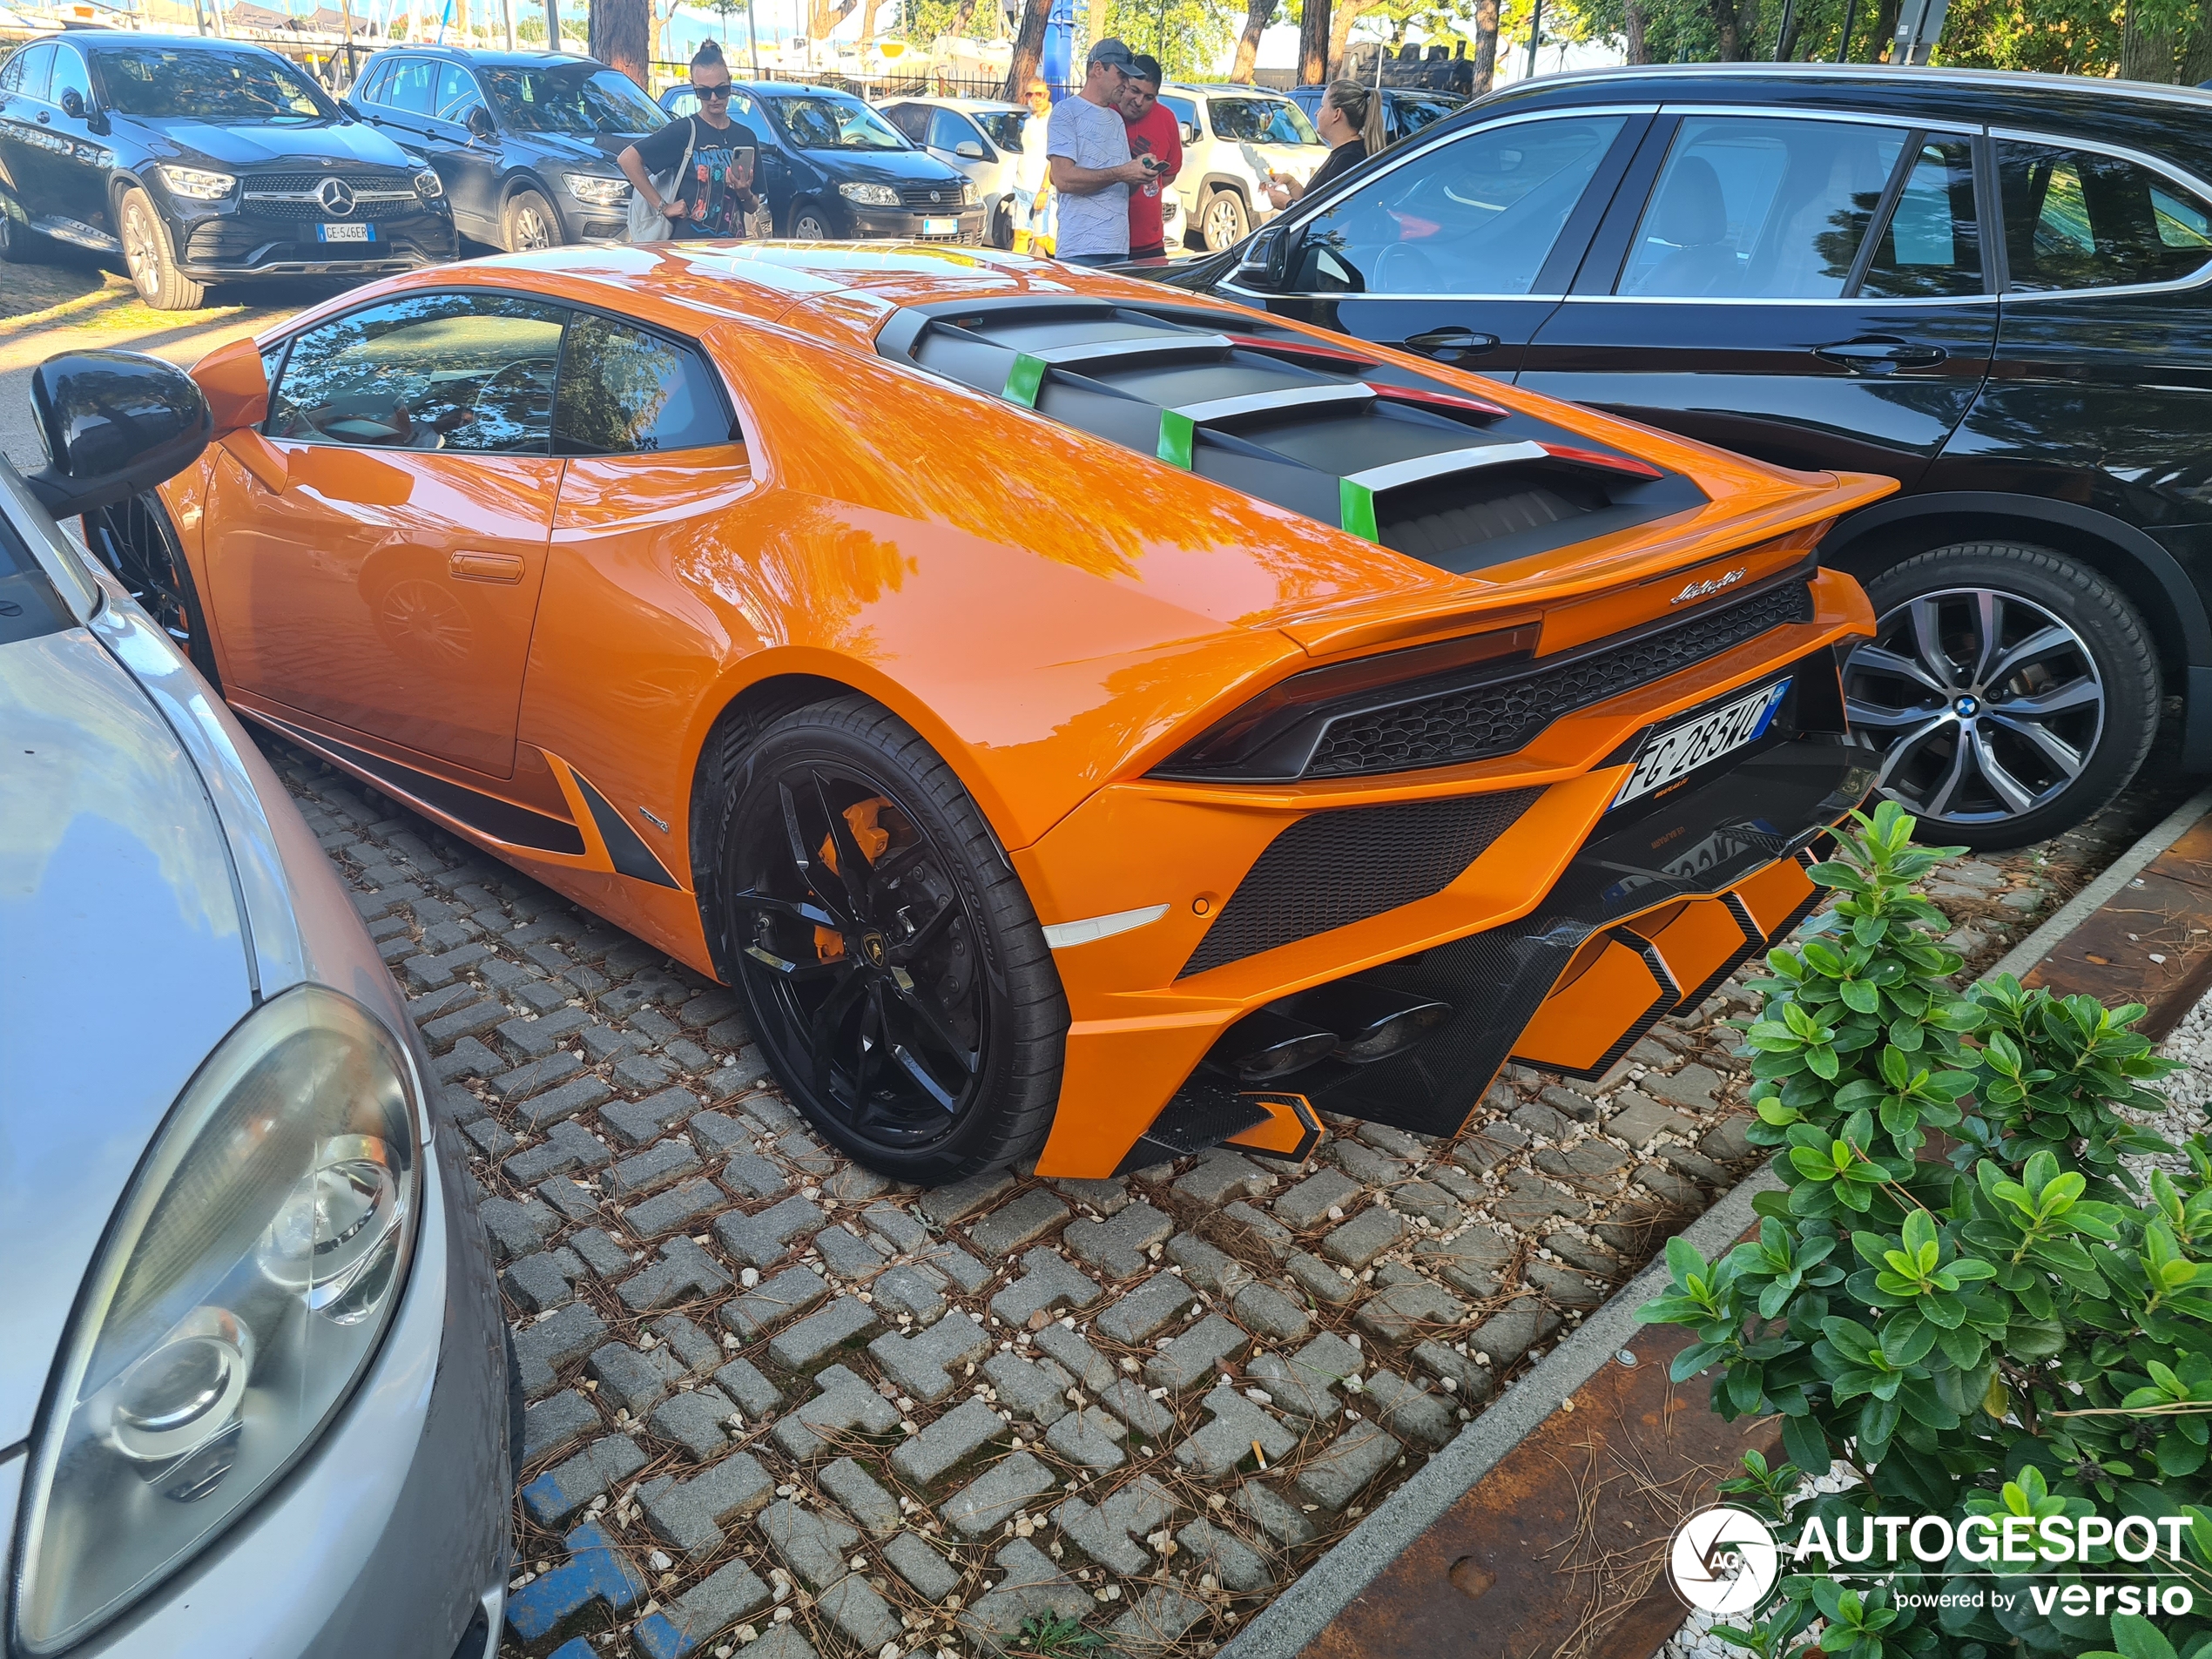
<point>1995,1321</point>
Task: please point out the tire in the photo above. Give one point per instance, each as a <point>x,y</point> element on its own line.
<point>149,258</point>
<point>135,539</point>
<point>527,221</point>
<point>19,244</point>
<point>2057,718</point>
<point>807,224</point>
<point>1002,229</point>
<point>927,1051</point>
<point>1223,220</point>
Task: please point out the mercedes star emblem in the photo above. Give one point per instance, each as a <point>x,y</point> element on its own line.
<point>336,197</point>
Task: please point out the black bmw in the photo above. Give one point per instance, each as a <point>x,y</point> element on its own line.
<point>203,161</point>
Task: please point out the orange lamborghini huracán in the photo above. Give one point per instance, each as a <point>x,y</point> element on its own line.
<point>1086,722</point>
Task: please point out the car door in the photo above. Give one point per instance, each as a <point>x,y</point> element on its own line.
<point>406,98</point>
<point>68,180</point>
<point>1808,289</point>
<point>1464,248</point>
<point>386,580</point>
<point>469,167</point>
<point>22,136</point>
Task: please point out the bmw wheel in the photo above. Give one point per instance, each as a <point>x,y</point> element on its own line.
<point>1223,220</point>
<point>2012,691</point>
<point>894,972</point>
<point>148,257</point>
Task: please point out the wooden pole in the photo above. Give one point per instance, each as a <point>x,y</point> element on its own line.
<point>1313,43</point>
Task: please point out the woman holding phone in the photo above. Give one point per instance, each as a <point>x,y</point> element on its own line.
<point>1352,121</point>
<point>713,191</point>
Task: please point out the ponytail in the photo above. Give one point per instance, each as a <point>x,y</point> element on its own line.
<point>1363,106</point>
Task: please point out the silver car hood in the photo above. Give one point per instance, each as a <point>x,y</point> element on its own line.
<point>124,958</point>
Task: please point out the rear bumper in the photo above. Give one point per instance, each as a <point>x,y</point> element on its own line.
<point>1529,943</point>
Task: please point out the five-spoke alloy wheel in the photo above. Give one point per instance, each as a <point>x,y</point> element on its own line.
<point>895,974</point>
<point>2012,693</point>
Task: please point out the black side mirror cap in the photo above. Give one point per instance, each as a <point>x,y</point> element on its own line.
<point>478,121</point>
<point>115,423</point>
<point>346,107</point>
<point>72,103</point>
<point>1266,261</point>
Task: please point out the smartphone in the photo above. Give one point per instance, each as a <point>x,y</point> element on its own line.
<point>1151,163</point>
<point>740,175</point>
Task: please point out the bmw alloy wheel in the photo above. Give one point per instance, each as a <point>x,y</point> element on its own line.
<point>1986,705</point>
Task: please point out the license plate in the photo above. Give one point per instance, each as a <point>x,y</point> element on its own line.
<point>1679,750</point>
<point>346,232</point>
<point>941,227</point>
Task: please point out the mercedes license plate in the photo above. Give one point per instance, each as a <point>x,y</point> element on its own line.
<point>941,227</point>
<point>346,232</point>
<point>1681,750</point>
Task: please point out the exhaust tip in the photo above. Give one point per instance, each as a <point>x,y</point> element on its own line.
<point>1392,1033</point>
<point>1265,1045</point>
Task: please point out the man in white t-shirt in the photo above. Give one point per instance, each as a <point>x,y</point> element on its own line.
<point>1091,168</point>
<point>1032,173</point>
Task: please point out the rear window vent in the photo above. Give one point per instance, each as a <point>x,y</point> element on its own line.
<point>1425,468</point>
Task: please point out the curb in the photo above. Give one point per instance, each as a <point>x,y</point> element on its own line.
<point>1339,1578</point>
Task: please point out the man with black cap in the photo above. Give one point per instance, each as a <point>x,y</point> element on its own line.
<point>1091,169</point>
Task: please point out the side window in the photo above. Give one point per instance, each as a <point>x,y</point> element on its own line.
<point>1478,215</point>
<point>371,89</point>
<point>2074,219</point>
<point>912,120</point>
<point>69,76</point>
<point>950,132</point>
<point>415,81</point>
<point>1186,111</point>
<point>1932,247</point>
<point>1759,208</point>
<point>11,74</point>
<point>626,392</point>
<point>687,103</point>
<point>436,371</point>
<point>456,91</point>
<point>37,63</point>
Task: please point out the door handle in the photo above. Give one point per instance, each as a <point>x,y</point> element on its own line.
<point>505,569</point>
<point>1453,339</point>
<point>1880,354</point>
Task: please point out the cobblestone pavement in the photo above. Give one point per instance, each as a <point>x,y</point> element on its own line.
<point>775,1400</point>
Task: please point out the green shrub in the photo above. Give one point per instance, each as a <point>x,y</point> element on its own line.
<point>1997,1322</point>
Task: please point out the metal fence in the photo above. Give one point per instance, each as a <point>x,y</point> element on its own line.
<point>919,81</point>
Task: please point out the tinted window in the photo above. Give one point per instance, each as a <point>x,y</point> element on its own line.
<point>831,121</point>
<point>1002,127</point>
<point>571,97</point>
<point>69,75</point>
<point>624,391</point>
<point>1412,112</point>
<point>415,84</point>
<point>948,131</point>
<point>1477,215</point>
<point>1931,246</point>
<point>371,91</point>
<point>456,91</point>
<point>687,103</point>
<point>2077,219</point>
<point>1755,208</point>
<point>30,68</point>
<point>911,119</point>
<point>440,371</point>
<point>228,87</point>
<point>1260,120</point>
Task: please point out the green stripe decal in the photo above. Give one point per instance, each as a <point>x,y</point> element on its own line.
<point>1177,433</point>
<point>1358,509</point>
<point>1024,379</point>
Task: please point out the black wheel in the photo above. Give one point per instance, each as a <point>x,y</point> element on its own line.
<point>2013,690</point>
<point>527,221</point>
<point>895,973</point>
<point>19,244</point>
<point>135,539</point>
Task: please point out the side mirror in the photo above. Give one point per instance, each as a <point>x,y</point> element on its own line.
<point>72,103</point>
<point>346,107</point>
<point>478,121</point>
<point>1190,134</point>
<point>969,149</point>
<point>1266,262</point>
<point>235,385</point>
<point>114,423</point>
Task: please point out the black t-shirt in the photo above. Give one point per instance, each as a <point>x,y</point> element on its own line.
<point>712,208</point>
<point>1342,160</point>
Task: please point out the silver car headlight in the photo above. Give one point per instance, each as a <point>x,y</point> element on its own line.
<point>595,190</point>
<point>968,195</point>
<point>870,195</point>
<point>196,183</point>
<point>428,185</point>
<point>241,1289</point>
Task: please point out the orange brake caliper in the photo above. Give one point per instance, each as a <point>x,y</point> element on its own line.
<point>829,944</point>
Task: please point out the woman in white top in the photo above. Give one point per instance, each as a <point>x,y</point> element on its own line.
<point>1033,176</point>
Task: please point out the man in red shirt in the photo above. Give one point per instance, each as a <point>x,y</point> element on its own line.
<point>1152,132</point>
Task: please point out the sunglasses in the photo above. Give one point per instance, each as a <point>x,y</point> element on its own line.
<point>722,91</point>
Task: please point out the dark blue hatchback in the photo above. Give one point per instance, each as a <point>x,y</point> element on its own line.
<point>524,142</point>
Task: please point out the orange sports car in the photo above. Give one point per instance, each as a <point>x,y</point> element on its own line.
<point>1086,722</point>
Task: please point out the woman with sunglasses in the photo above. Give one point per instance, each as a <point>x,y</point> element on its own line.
<point>716,155</point>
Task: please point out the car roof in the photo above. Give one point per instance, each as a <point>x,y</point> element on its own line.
<point>1237,87</point>
<point>133,37</point>
<point>966,105</point>
<point>485,54</point>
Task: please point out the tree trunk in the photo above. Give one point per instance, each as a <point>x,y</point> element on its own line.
<point>868,8</point>
<point>1257,15</point>
<point>2146,50</point>
<point>622,37</point>
<point>1313,43</point>
<point>824,16</point>
<point>1485,44</point>
<point>1785,50</point>
<point>1028,48</point>
<point>1884,31</point>
<point>1727,29</point>
<point>1095,28</point>
<point>1343,14</point>
<point>1638,52</point>
<point>2197,55</point>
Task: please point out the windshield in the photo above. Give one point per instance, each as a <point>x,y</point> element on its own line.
<point>222,88</point>
<point>1260,120</point>
<point>569,98</point>
<point>1415,112</point>
<point>1002,127</point>
<point>826,121</point>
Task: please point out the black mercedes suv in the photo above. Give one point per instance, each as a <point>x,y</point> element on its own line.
<point>203,161</point>
<point>1992,287</point>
